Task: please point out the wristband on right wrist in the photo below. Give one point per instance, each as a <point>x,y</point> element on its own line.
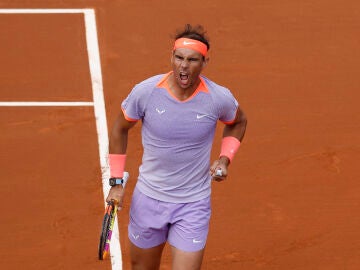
<point>117,165</point>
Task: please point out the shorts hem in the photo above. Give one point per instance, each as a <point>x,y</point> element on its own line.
<point>195,249</point>
<point>139,245</point>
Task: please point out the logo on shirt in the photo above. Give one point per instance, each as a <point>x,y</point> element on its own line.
<point>159,111</point>
<point>199,116</point>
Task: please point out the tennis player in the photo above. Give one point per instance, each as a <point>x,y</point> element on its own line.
<point>179,112</point>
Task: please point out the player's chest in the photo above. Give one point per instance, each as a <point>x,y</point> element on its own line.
<point>193,119</point>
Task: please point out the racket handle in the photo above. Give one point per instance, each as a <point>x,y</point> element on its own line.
<point>115,202</point>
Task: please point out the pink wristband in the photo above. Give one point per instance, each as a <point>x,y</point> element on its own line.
<point>229,146</point>
<point>117,164</point>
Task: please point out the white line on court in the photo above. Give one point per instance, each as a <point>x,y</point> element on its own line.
<point>43,103</point>
<point>43,11</point>
<point>99,105</point>
<point>101,123</point>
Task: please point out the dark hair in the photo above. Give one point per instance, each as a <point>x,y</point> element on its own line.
<point>196,32</point>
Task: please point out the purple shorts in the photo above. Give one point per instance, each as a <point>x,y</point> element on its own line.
<point>184,225</point>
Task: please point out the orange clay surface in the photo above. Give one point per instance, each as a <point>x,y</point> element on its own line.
<point>292,199</point>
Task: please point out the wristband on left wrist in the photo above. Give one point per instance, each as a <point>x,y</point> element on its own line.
<point>229,147</point>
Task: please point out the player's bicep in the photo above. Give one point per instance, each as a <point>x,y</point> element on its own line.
<point>119,134</point>
<point>240,116</point>
<point>237,127</point>
<point>124,122</point>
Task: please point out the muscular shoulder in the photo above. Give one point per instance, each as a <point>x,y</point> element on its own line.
<point>149,83</point>
<point>223,100</point>
<point>135,103</point>
<point>217,91</point>
<point>144,89</point>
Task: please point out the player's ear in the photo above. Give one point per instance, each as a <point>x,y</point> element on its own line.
<point>206,61</point>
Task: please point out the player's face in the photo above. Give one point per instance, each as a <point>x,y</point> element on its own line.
<point>187,65</point>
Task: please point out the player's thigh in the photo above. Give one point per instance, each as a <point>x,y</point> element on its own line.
<point>145,258</point>
<point>183,260</point>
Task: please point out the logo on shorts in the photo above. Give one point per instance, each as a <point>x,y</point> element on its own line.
<point>135,236</point>
<point>195,241</point>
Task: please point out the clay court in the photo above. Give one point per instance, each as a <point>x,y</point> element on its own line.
<point>292,200</point>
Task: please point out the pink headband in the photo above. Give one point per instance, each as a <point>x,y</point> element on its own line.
<point>191,44</point>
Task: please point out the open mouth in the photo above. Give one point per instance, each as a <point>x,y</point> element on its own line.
<point>184,77</point>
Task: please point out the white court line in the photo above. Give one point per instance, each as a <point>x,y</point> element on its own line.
<point>99,105</point>
<point>43,11</point>
<point>43,103</point>
<point>101,124</point>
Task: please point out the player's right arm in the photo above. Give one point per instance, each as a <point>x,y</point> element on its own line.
<point>119,135</point>
<point>118,145</point>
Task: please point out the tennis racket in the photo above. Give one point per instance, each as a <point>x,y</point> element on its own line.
<point>108,224</point>
<point>107,228</point>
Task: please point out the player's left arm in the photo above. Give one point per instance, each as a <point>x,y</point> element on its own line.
<point>233,135</point>
<point>237,127</point>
